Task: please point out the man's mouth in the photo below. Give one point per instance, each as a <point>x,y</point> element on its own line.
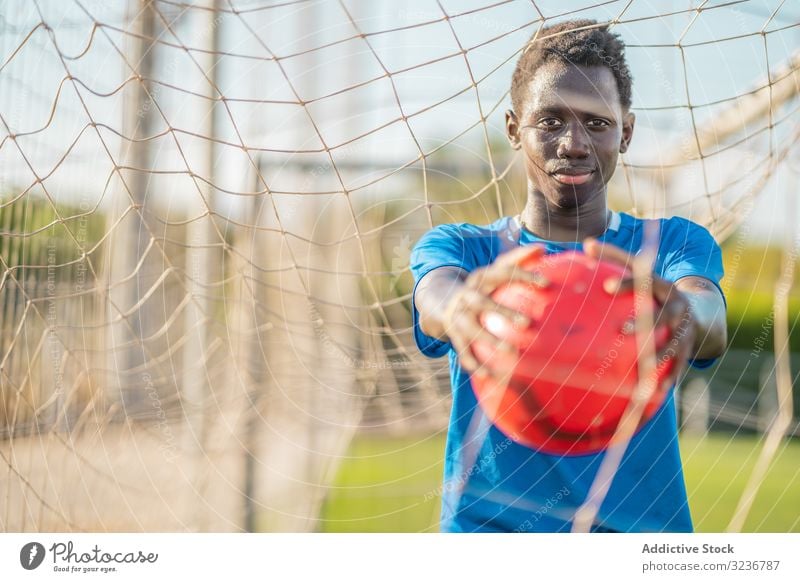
<point>574,177</point>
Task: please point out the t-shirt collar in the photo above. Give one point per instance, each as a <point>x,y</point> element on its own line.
<point>527,237</point>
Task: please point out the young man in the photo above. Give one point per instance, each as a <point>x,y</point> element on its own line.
<point>571,118</point>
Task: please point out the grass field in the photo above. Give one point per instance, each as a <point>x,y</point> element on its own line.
<point>391,485</point>
<point>717,469</point>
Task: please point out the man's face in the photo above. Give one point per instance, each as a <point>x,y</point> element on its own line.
<point>571,130</point>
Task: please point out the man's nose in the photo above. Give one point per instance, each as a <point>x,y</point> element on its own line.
<point>574,143</point>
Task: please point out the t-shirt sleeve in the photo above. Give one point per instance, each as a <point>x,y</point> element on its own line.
<point>692,251</point>
<point>442,246</point>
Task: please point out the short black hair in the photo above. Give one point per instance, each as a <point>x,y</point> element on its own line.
<point>588,47</point>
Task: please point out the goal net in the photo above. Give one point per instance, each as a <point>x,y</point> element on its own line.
<point>207,210</point>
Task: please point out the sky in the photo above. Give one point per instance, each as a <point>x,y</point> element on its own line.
<point>342,80</point>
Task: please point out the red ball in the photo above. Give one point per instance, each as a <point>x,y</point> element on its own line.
<point>578,360</point>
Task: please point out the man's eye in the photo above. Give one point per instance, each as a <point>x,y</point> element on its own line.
<point>550,122</point>
<point>598,123</point>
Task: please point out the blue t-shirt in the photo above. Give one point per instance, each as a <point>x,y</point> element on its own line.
<point>510,487</point>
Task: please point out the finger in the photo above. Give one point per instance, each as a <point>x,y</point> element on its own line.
<point>469,328</point>
<point>680,361</point>
<point>608,252</point>
<point>672,378</point>
<point>517,273</point>
<point>680,366</point>
<point>665,354</point>
<point>472,332</point>
<point>626,283</point>
<point>677,343</point>
<point>467,357</point>
<point>514,318</point>
<point>476,277</point>
<point>500,376</point>
<point>678,317</point>
<point>614,285</point>
<point>688,345</point>
<point>670,314</point>
<point>469,362</point>
<point>498,369</point>
<point>664,359</point>
<point>520,254</point>
<point>472,305</point>
<point>486,281</point>
<point>664,290</point>
<point>477,303</point>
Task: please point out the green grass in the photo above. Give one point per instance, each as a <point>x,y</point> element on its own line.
<point>717,469</point>
<point>387,485</point>
<point>392,485</point>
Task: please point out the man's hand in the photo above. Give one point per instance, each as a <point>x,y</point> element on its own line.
<point>463,310</point>
<point>690,309</point>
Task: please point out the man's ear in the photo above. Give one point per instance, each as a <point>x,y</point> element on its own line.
<point>628,120</point>
<point>512,129</point>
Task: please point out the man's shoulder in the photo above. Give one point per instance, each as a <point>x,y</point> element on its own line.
<point>666,221</point>
<point>682,232</point>
<point>674,230</point>
<point>467,244</point>
<point>468,228</point>
<point>467,231</point>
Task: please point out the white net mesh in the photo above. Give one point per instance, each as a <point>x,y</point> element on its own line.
<point>207,211</point>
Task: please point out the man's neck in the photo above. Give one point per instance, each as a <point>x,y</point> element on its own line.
<point>554,223</point>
